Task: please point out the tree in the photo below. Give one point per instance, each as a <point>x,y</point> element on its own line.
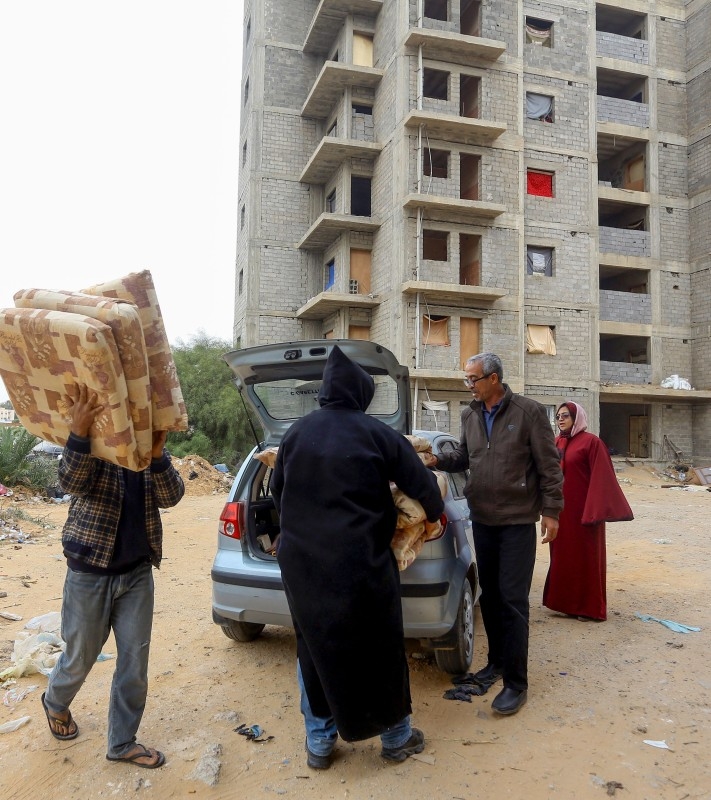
<point>219,429</point>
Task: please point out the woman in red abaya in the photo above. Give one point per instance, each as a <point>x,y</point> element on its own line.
<point>576,581</point>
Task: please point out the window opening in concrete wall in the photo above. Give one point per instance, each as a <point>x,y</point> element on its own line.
<point>469,93</point>
<point>470,17</point>
<point>240,281</point>
<point>436,9</point>
<point>329,274</point>
<point>539,31</point>
<point>361,332</point>
<point>435,330</point>
<point>469,176</point>
<point>539,261</point>
<point>359,108</point>
<point>621,162</point>
<point>331,202</point>
<point>622,215</point>
<point>469,259</point>
<point>469,336</point>
<point>360,196</point>
<point>435,245</point>
<point>333,130</point>
<point>539,183</point>
<point>244,153</point>
<point>540,340</point>
<point>622,85</point>
<point>619,279</point>
<point>362,50</point>
<point>435,84</point>
<point>539,106</point>
<point>624,350</point>
<point>246,91</point>
<point>435,163</point>
<point>620,21</point>
<point>360,268</point>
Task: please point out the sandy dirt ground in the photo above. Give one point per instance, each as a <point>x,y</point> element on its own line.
<point>597,690</point>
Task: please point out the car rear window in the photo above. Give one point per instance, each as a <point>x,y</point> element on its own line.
<point>290,398</point>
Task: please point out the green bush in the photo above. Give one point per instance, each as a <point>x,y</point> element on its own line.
<point>16,469</point>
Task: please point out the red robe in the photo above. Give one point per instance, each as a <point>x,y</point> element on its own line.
<point>576,581</point>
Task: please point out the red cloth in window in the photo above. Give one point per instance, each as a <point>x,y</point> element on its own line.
<point>540,183</point>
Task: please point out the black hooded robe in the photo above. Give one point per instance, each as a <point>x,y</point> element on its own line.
<point>331,486</point>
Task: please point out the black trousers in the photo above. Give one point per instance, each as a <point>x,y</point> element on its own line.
<point>505,556</point>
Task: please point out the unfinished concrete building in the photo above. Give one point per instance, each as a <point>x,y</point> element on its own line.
<point>447,177</point>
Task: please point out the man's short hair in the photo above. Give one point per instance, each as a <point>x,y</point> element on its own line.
<point>490,364</point>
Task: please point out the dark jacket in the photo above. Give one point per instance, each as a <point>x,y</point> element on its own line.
<point>515,477</point>
<point>337,519</point>
<point>97,489</point>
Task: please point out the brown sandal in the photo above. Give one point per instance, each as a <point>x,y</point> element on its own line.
<point>143,752</point>
<point>57,724</point>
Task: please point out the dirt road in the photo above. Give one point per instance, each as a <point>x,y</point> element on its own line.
<point>598,691</point>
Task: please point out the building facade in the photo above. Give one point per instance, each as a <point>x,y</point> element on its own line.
<point>447,177</point>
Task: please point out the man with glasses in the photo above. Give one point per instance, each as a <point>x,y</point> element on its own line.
<point>514,478</point>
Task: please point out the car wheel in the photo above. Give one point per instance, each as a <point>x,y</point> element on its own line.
<point>242,631</point>
<point>458,660</point>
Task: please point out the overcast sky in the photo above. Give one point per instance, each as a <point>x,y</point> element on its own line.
<point>119,148</point>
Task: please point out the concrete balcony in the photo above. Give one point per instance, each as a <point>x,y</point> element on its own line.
<point>456,210</point>
<point>332,152</point>
<point>456,48</point>
<point>625,307</point>
<point>624,373</point>
<point>625,112</point>
<point>328,227</point>
<point>623,197</point>
<point>328,20</point>
<point>331,82</point>
<point>453,294</point>
<point>451,128</point>
<point>624,242</point>
<point>625,48</point>
<point>326,303</point>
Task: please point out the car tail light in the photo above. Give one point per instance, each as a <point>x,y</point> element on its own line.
<point>232,520</point>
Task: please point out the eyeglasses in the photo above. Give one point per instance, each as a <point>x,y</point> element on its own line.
<point>472,381</point>
<point>562,416</point>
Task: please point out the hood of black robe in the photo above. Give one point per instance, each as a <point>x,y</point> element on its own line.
<point>345,383</point>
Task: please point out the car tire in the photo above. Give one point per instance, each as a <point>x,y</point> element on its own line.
<point>242,631</point>
<point>456,661</point>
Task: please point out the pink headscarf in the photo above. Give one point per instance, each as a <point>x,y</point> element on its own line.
<point>577,412</point>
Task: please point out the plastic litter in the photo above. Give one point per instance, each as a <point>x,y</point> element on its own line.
<point>51,621</point>
<point>14,696</point>
<point>13,725</point>
<point>675,382</point>
<point>677,627</point>
<point>253,733</point>
<point>662,745</point>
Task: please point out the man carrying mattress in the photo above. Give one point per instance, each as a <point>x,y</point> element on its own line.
<point>112,539</point>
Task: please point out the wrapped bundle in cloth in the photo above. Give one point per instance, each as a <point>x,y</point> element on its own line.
<point>125,324</point>
<point>423,448</point>
<point>267,456</point>
<point>169,412</point>
<point>43,355</point>
<point>412,528</point>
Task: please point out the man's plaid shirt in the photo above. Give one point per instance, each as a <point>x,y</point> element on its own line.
<point>97,489</point>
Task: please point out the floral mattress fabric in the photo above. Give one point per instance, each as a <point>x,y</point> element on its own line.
<point>53,340</point>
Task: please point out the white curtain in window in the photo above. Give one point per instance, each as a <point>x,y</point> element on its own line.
<point>538,105</point>
<point>539,340</point>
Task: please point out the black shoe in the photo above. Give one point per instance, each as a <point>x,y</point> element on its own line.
<point>508,701</point>
<point>317,762</point>
<point>490,674</point>
<point>415,744</point>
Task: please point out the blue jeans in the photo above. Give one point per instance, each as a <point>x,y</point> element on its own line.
<point>92,605</point>
<point>321,732</point>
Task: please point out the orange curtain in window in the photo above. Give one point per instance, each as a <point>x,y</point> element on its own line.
<point>539,183</point>
<point>435,330</point>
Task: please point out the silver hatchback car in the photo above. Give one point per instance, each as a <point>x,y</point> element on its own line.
<point>439,589</point>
